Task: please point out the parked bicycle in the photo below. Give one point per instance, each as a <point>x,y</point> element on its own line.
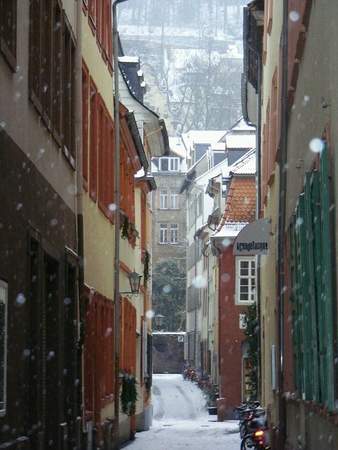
<point>253,426</point>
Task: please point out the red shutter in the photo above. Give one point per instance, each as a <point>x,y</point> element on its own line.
<point>100,149</point>
<point>93,142</point>
<point>92,13</point>
<point>85,112</point>
<point>143,220</point>
<point>99,20</point>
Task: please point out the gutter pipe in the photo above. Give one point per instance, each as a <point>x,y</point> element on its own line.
<point>281,228</point>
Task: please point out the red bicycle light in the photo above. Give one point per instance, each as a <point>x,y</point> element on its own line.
<point>259,434</point>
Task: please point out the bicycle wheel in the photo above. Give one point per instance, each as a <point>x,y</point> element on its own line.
<point>247,443</point>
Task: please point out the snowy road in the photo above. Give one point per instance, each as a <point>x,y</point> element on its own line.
<point>181,422</point>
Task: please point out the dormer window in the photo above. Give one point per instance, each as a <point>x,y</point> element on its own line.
<point>168,164</point>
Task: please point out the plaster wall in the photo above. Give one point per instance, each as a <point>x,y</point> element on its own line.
<point>22,122</point>
<point>272,56</point>
<point>268,300</point>
<point>98,69</point>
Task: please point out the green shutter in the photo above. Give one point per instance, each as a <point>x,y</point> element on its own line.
<point>304,300</point>
<point>310,297</point>
<point>316,225</point>
<point>327,291</point>
<point>295,310</point>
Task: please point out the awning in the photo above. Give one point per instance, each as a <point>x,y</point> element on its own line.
<point>253,239</point>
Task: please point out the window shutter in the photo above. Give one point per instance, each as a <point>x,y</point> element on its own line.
<point>93,142</point>
<point>327,289</point>
<point>85,127</point>
<point>310,293</point>
<point>35,55</point>
<point>57,71</point>
<point>8,30</point>
<point>306,317</point>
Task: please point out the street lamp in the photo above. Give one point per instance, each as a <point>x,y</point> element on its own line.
<point>135,282</point>
<point>159,320</point>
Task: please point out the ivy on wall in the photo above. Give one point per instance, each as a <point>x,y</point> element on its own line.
<point>128,230</point>
<point>128,394</point>
<point>251,333</point>
<point>146,269</point>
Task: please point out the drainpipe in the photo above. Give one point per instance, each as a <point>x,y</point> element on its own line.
<point>258,127</point>
<point>79,216</point>
<point>117,312</point>
<point>281,227</point>
<point>258,207</point>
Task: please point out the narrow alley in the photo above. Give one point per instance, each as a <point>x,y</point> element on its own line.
<point>181,420</point>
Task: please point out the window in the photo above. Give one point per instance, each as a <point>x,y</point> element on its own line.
<point>169,164</point>
<point>174,200</point>
<point>3,344</point>
<point>164,165</point>
<point>8,19</point>
<point>163,199</point>
<point>245,280</point>
<point>173,164</point>
<point>52,71</point>
<point>174,233</point>
<point>199,205</point>
<point>163,233</point>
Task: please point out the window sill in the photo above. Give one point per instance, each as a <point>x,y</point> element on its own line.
<point>245,303</point>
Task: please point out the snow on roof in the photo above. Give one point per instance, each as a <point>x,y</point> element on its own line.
<point>241,125</point>
<point>246,165</point>
<point>229,230</point>
<point>129,59</point>
<point>202,137</point>
<point>238,141</point>
<point>176,146</point>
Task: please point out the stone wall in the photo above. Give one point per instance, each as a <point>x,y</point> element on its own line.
<point>168,352</point>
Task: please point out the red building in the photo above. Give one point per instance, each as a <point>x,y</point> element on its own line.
<point>237,282</point>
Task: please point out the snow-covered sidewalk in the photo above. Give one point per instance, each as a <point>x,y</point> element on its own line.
<point>185,434</point>
<point>181,421</point>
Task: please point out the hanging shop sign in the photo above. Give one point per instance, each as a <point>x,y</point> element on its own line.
<point>253,239</point>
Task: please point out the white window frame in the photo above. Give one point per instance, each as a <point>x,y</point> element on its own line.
<point>174,200</point>
<point>250,260</point>
<point>164,199</point>
<point>163,233</point>
<point>4,299</point>
<point>174,232</point>
<point>173,164</point>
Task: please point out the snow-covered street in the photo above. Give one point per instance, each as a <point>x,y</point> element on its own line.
<point>181,421</point>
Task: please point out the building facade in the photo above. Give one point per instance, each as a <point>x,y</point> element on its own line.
<point>169,238</point>
<point>298,279</point>
<point>237,292</point>
<point>40,389</point>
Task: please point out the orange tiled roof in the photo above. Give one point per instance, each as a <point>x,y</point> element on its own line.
<point>241,200</point>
